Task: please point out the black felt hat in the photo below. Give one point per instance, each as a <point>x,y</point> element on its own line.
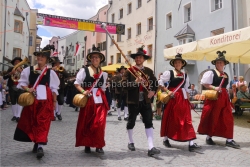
<point>16,58</point>
<point>178,57</point>
<point>140,52</point>
<point>122,67</point>
<point>220,57</point>
<point>55,60</point>
<point>46,51</point>
<point>96,50</point>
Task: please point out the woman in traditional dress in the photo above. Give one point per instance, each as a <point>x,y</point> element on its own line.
<point>34,123</point>
<point>217,118</point>
<point>92,118</point>
<point>176,121</point>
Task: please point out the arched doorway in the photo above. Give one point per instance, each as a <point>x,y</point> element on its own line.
<point>200,87</point>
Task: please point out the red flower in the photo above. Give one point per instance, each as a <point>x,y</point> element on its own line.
<point>144,51</point>
<point>180,74</point>
<point>96,76</point>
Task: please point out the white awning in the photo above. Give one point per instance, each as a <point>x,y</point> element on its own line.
<point>235,43</point>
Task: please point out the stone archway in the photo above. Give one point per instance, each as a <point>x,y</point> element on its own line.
<point>200,87</point>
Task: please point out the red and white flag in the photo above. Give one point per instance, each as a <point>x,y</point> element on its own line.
<point>55,53</point>
<point>78,46</point>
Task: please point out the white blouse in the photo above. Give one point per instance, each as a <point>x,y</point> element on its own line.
<point>81,75</point>
<point>165,77</point>
<point>207,77</point>
<point>41,89</point>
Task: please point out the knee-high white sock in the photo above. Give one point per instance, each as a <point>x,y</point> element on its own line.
<point>19,110</point>
<point>149,133</point>
<point>229,140</point>
<point>130,136</point>
<point>13,108</point>
<point>208,137</point>
<point>119,112</point>
<point>113,103</point>
<point>59,108</point>
<point>165,138</point>
<point>16,110</point>
<point>191,142</point>
<point>40,145</point>
<point>125,112</point>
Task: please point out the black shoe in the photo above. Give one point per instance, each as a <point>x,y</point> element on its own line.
<point>109,113</point>
<point>166,143</point>
<point>193,147</point>
<point>40,153</point>
<point>13,118</point>
<point>99,150</point>
<point>17,119</point>
<point>131,146</point>
<point>210,141</point>
<point>59,117</point>
<point>232,144</point>
<point>119,118</point>
<point>87,150</point>
<point>153,151</point>
<point>35,148</point>
<point>126,119</point>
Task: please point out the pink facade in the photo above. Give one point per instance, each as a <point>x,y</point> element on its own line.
<point>95,38</point>
<point>54,41</point>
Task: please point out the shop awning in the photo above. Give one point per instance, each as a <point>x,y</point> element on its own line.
<point>235,43</point>
<point>113,67</point>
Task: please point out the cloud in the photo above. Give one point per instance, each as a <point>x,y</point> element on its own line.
<point>45,41</point>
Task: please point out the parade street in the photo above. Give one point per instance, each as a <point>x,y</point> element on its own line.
<point>61,150</point>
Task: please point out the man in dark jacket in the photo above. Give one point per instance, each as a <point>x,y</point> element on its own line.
<point>62,75</point>
<point>139,98</point>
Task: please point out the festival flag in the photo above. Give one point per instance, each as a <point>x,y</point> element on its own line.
<point>77,49</point>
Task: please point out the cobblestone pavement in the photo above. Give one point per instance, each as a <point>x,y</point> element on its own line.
<point>61,151</point>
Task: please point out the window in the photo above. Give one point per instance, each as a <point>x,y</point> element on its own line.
<point>150,50</point>
<point>139,3</point>
<point>83,54</point>
<point>217,32</point>
<point>89,51</point>
<point>30,40</point>
<point>99,45</point>
<point>18,27</point>
<point>104,46</point>
<point>138,29</point>
<point>113,18</point>
<point>8,18</point>
<point>129,33</point>
<point>17,52</point>
<point>187,13</point>
<point>150,24</point>
<point>112,41</point>
<point>185,40</point>
<point>121,13</point>
<point>37,47</point>
<point>169,46</point>
<point>118,57</point>
<point>129,8</point>
<point>119,38</point>
<point>216,4</point>
<point>169,20</point>
<point>112,59</point>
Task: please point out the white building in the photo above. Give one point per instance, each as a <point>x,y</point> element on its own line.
<point>67,51</point>
<point>16,41</point>
<point>139,19</point>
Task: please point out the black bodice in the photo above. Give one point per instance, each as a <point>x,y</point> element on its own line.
<point>33,77</point>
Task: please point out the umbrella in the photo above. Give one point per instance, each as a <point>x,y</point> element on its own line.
<point>113,67</point>
<point>235,43</point>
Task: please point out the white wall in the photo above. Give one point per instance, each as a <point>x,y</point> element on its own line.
<point>140,15</point>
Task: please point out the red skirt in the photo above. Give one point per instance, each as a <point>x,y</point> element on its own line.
<point>177,121</point>
<point>91,123</point>
<point>34,123</point>
<point>217,117</point>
